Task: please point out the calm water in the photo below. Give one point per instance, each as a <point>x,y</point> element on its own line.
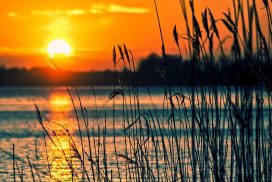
<point>19,126</point>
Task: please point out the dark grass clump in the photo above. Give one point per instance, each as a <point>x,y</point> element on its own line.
<point>203,132</point>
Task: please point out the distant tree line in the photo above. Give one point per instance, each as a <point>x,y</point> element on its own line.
<point>151,71</point>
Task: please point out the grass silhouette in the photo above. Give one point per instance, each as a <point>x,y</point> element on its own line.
<point>202,133</point>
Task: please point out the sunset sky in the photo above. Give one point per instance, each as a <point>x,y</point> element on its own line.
<point>91,28</point>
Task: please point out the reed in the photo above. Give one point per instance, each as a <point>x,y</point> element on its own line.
<point>202,132</point>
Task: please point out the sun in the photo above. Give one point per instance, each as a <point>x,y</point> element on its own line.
<point>59,47</point>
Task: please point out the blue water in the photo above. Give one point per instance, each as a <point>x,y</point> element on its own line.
<point>19,125</point>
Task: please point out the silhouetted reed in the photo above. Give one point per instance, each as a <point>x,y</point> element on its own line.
<point>203,132</point>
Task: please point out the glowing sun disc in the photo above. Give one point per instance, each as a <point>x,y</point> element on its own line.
<point>59,47</point>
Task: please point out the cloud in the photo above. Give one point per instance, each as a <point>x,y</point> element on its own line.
<point>95,9</point>
<point>76,12</point>
<point>114,8</point>
<point>12,14</point>
<point>71,12</point>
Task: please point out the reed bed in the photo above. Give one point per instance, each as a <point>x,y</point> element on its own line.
<point>203,132</point>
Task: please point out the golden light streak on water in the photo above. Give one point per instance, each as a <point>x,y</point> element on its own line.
<point>61,154</point>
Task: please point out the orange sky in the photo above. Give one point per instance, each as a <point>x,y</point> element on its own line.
<point>91,28</point>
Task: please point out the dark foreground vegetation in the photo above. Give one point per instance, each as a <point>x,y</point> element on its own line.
<point>205,132</point>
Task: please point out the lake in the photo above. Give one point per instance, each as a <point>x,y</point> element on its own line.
<point>115,132</point>
<point>20,126</point>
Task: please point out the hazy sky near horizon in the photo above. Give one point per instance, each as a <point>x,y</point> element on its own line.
<point>91,28</point>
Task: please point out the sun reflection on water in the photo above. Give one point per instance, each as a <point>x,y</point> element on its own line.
<point>60,102</point>
<point>61,154</point>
